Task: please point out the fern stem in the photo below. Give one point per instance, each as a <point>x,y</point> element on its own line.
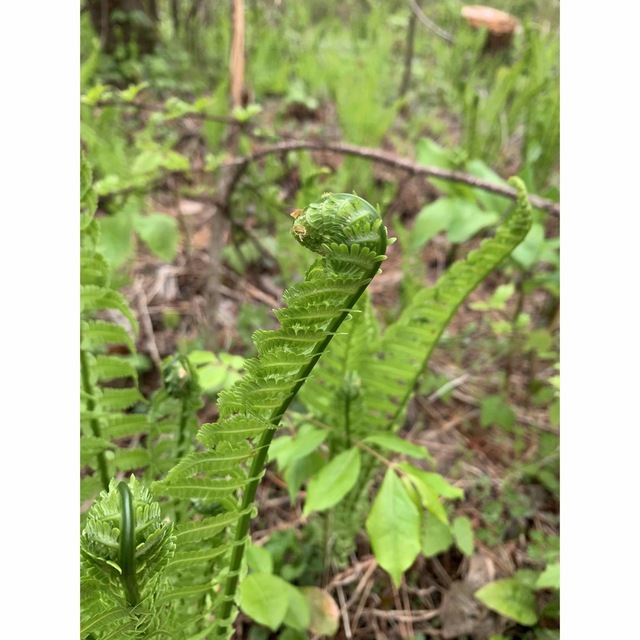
<point>257,468</point>
<point>87,387</point>
<point>128,545</point>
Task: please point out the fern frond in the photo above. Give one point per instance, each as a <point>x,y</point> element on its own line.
<point>407,344</point>
<point>99,404</point>
<point>109,368</point>
<point>196,558</point>
<point>95,298</point>
<point>224,460</point>
<point>91,446</point>
<point>99,333</point>
<point>94,269</point>
<point>127,459</point>
<point>235,428</point>
<point>349,235</point>
<point>210,488</point>
<point>333,393</point>
<point>118,399</point>
<point>205,528</point>
<point>122,425</point>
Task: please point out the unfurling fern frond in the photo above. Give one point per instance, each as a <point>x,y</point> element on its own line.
<point>408,344</point>
<point>348,234</point>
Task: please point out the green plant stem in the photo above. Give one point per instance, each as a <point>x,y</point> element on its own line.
<point>182,427</point>
<point>128,545</point>
<point>182,442</point>
<point>87,387</point>
<point>259,461</point>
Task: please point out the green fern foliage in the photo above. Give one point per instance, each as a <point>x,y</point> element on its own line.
<point>108,381</point>
<point>408,343</point>
<point>333,394</point>
<point>348,234</point>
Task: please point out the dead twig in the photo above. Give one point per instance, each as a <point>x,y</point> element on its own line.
<point>390,159</point>
<point>430,24</point>
<point>364,586</point>
<point>406,603</point>
<point>405,616</point>
<point>145,321</point>
<point>344,613</point>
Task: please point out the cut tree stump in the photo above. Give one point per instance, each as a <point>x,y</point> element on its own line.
<point>500,26</point>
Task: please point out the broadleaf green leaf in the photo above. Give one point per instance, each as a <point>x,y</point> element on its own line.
<point>116,238</point>
<point>550,577</point>
<point>431,219</point>
<point>467,219</point>
<point>298,615</point>
<point>300,446</point>
<point>259,559</point>
<point>394,443</point>
<point>428,498</point>
<point>436,537</point>
<point>495,411</point>
<point>490,201</point>
<point>333,481</point>
<point>510,598</point>
<point>434,481</point>
<point>393,526</point>
<point>148,161</point>
<point>265,598</point>
<point>300,470</point>
<point>462,531</point>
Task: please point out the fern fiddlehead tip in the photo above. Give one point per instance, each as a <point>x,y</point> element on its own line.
<point>339,219</point>
<point>128,544</point>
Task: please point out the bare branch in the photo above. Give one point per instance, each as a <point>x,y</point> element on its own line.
<point>390,159</point>
<point>430,24</point>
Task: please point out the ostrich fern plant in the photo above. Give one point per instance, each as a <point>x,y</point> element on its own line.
<point>145,577</point>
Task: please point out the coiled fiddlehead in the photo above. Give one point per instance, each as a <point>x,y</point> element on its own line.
<point>125,548</point>
<point>348,234</point>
